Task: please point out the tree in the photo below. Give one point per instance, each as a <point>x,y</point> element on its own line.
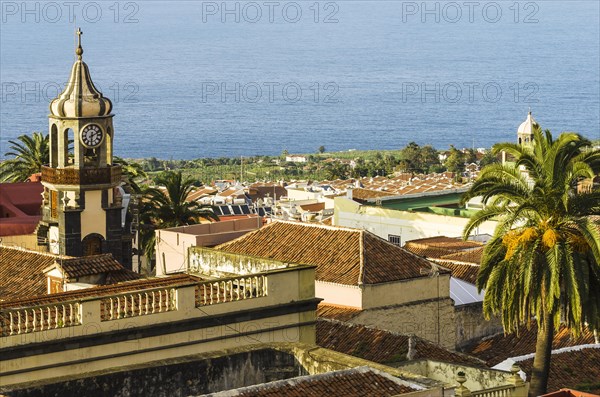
<point>321,149</point>
<point>488,158</point>
<point>168,208</point>
<point>30,153</point>
<point>132,173</point>
<point>543,260</point>
<point>455,161</point>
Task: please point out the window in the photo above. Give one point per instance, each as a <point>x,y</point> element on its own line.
<point>397,240</point>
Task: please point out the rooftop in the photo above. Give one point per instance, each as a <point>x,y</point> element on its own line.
<point>20,205</point>
<point>22,272</point>
<point>442,247</point>
<point>498,348</point>
<point>102,290</point>
<point>355,382</point>
<point>342,255</point>
<point>576,368</point>
<point>90,265</point>
<point>382,346</point>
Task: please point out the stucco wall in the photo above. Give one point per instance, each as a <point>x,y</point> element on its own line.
<point>409,225</point>
<point>27,241</point>
<point>406,291</point>
<point>419,318</point>
<point>471,323</point>
<point>172,244</point>
<point>339,294</point>
<point>93,217</point>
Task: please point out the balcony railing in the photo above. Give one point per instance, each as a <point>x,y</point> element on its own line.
<point>109,175</point>
<point>39,318</point>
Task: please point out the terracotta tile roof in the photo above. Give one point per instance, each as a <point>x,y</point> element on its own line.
<point>440,246</point>
<point>569,393</point>
<point>20,204</point>
<point>469,255</point>
<point>382,346</point>
<point>90,265</point>
<point>103,290</point>
<point>464,271</point>
<point>498,348</point>
<point>365,194</point>
<point>316,207</point>
<point>342,255</point>
<point>337,312</point>
<point>21,273</point>
<point>355,382</point>
<point>577,369</point>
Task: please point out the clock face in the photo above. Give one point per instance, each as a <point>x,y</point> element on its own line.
<point>91,136</point>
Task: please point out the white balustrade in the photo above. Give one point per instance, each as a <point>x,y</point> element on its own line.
<point>229,290</point>
<point>39,318</point>
<point>139,304</point>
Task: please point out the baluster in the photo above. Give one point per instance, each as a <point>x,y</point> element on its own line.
<point>41,319</point>
<point>56,316</point>
<point>160,303</point>
<point>70,314</point>
<point>34,319</point>
<point>139,304</point>
<point>124,306</point>
<point>118,307</point>
<point>64,316</point>
<point>230,289</point>
<point>111,315</point>
<point>78,318</point>
<point>204,293</point>
<point>211,293</point>
<point>19,324</point>
<point>49,316</point>
<point>153,302</point>
<point>255,288</point>
<point>218,286</point>
<point>146,295</point>
<point>237,289</point>
<point>11,323</point>
<point>266,285</point>
<point>173,299</point>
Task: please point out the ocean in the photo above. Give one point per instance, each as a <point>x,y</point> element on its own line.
<point>197,79</point>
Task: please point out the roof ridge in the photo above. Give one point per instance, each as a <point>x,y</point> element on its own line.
<point>361,257</point>
<point>22,249</point>
<point>319,226</point>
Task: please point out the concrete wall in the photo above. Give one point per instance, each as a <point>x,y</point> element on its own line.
<point>409,225</point>
<point>471,323</point>
<point>172,244</point>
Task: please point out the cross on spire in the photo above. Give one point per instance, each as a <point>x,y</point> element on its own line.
<point>79,50</point>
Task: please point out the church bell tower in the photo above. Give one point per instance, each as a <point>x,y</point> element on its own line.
<point>82,199</point>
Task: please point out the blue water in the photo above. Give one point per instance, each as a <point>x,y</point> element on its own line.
<point>361,78</point>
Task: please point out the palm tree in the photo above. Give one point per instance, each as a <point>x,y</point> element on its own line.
<point>132,173</point>
<point>543,260</point>
<point>29,155</point>
<point>168,208</point>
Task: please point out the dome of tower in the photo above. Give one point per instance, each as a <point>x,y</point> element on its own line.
<point>80,97</point>
<point>528,126</point>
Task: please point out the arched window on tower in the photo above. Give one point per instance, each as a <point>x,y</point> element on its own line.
<point>92,244</point>
<point>54,146</point>
<point>109,147</point>
<point>69,140</point>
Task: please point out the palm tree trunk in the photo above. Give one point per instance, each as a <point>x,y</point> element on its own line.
<point>541,361</point>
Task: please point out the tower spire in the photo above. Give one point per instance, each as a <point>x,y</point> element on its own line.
<point>79,50</point>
